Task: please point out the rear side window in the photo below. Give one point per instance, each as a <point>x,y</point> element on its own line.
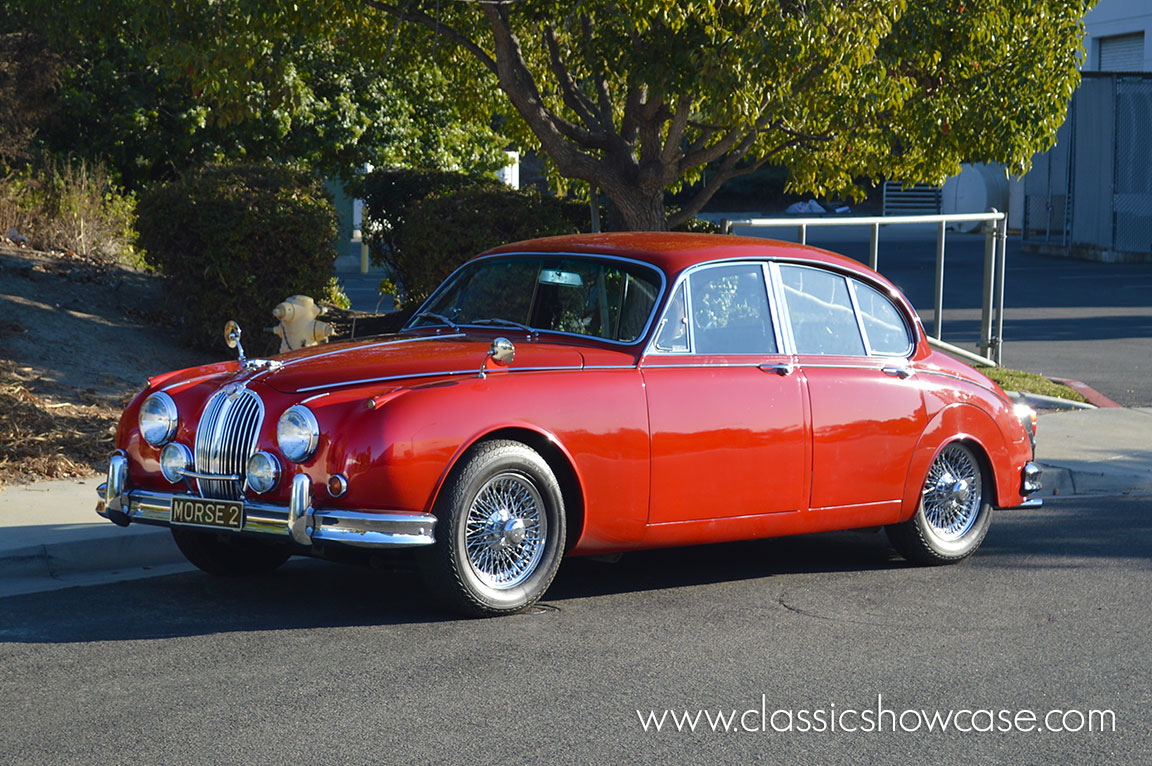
<point>820,310</point>
<point>883,323</point>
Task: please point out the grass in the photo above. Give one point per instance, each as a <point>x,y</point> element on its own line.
<point>1030,383</point>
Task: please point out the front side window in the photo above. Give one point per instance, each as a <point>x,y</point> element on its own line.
<point>820,311</point>
<point>730,313</point>
<point>600,298</point>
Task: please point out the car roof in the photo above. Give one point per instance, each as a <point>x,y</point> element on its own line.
<point>675,251</point>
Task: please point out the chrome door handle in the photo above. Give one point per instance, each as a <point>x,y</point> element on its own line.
<point>779,369</point>
<point>897,372</point>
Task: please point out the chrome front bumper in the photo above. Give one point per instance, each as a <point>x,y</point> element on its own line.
<point>1030,484</point>
<point>300,522</point>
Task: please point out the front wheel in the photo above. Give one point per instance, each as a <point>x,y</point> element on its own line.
<point>954,511</point>
<point>229,556</point>
<point>500,535</point>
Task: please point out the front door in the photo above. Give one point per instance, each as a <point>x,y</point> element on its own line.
<point>727,411</point>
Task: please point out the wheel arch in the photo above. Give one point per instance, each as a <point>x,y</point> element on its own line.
<point>552,452</point>
<point>970,426</point>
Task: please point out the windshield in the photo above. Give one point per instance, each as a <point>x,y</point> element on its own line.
<point>600,298</point>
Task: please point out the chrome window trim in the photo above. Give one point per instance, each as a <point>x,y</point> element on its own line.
<point>859,316</point>
<point>681,284</point>
<point>784,321</point>
<point>657,302</point>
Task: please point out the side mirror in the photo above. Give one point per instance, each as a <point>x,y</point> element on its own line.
<point>501,352</point>
<point>232,334</point>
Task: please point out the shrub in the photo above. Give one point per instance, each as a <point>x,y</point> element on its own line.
<point>73,206</point>
<point>443,230</point>
<point>388,194</point>
<point>235,240</point>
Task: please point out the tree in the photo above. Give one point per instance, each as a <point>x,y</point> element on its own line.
<point>142,101</point>
<point>638,98</point>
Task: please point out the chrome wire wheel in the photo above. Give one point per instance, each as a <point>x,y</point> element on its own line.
<point>953,493</point>
<point>505,530</point>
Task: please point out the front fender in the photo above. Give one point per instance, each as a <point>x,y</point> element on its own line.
<point>970,424</point>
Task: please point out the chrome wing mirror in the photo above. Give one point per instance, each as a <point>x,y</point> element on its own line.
<point>501,352</point>
<point>232,334</point>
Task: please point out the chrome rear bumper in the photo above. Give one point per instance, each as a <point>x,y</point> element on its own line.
<point>299,522</point>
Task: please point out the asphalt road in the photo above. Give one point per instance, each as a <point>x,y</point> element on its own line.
<point>325,663</point>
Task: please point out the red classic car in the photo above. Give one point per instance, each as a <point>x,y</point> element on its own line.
<point>584,395</point>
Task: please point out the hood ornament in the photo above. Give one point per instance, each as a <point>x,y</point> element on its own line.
<point>501,352</point>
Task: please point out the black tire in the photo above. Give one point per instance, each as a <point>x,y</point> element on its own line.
<point>229,555</point>
<point>500,534</point>
<point>954,513</point>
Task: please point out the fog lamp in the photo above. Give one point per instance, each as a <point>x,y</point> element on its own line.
<point>263,471</point>
<point>175,459</point>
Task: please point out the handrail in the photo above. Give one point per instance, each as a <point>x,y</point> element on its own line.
<point>995,245</point>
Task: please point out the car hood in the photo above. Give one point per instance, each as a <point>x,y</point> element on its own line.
<point>320,368</point>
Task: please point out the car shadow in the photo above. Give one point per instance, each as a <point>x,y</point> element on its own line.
<point>308,594</point>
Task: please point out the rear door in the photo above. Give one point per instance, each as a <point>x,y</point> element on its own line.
<point>852,344</point>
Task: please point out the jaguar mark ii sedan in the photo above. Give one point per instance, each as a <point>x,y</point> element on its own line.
<point>583,395</point>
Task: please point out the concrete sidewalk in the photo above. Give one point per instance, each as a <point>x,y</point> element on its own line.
<point>51,537</point>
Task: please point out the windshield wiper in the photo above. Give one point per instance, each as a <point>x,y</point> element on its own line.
<point>506,323</point>
<point>440,317</point>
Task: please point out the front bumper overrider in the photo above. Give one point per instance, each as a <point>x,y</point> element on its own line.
<point>299,521</point>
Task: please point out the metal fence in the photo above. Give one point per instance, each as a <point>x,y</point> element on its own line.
<point>1091,194</point>
<point>995,247</point>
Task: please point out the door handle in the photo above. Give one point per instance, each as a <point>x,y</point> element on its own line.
<point>897,372</point>
<point>779,369</point>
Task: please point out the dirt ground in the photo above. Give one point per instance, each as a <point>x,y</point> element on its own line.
<point>77,341</point>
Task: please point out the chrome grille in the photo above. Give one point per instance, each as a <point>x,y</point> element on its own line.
<point>225,439</point>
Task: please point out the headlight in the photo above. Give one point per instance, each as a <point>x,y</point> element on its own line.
<point>263,472</point>
<point>158,419</point>
<point>297,433</point>
<point>174,461</point>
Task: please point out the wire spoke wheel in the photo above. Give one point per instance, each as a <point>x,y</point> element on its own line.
<point>505,530</point>
<point>954,510</point>
<point>952,494</point>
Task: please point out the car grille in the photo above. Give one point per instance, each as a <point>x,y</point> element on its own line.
<point>225,439</point>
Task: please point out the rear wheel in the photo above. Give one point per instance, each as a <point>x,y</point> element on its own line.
<point>954,513</point>
<point>228,555</point>
<point>500,535</point>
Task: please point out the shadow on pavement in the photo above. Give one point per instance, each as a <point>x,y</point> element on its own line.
<point>314,594</point>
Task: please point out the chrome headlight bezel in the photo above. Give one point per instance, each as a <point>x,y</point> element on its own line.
<point>297,433</point>
<point>175,459</point>
<point>158,419</point>
<point>262,472</point>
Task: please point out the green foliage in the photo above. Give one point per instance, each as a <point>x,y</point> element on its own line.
<point>445,229</point>
<point>155,90</point>
<point>389,193</point>
<point>70,205</point>
<point>235,240</point>
<point>641,98</point>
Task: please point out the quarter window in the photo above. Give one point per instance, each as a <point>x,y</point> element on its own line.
<point>887,332</point>
<point>820,311</point>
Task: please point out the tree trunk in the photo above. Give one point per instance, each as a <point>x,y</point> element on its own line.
<point>639,210</point>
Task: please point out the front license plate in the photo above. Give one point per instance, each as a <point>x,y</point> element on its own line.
<point>228,514</point>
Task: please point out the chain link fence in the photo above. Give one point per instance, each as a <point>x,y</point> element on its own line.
<point>1091,194</point>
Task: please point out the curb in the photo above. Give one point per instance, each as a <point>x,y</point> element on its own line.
<point>1042,402</point>
<point>144,547</point>
<point>1093,396</point>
